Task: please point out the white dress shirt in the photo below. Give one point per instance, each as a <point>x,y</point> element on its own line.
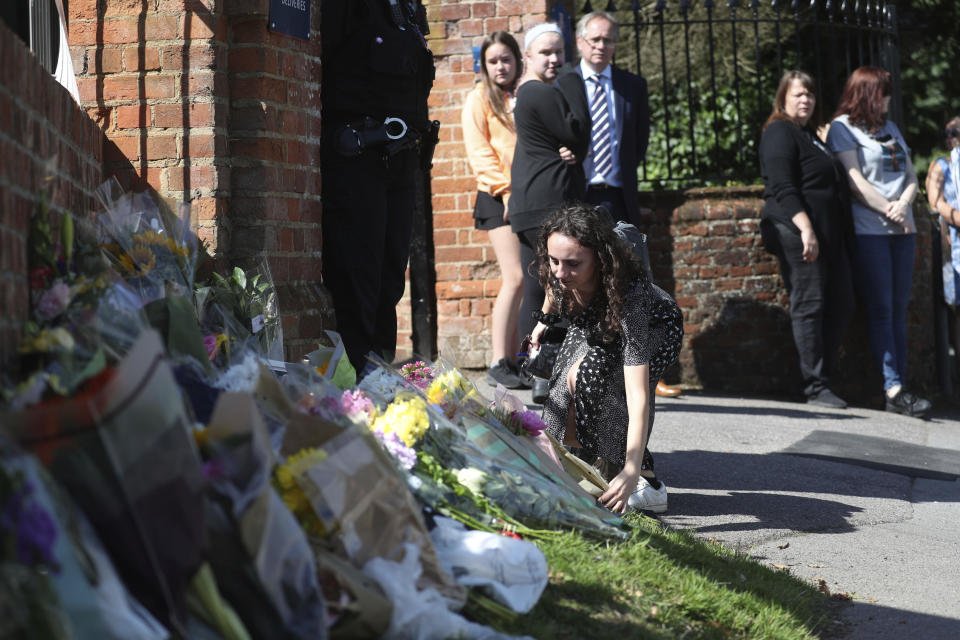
<point>606,79</point>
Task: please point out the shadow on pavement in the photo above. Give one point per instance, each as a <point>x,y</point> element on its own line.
<point>764,510</point>
<point>800,414</point>
<point>885,454</point>
<point>772,472</point>
<point>869,621</point>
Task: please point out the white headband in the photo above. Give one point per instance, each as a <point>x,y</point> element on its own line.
<point>539,30</point>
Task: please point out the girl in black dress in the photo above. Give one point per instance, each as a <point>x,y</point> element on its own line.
<point>553,132</point>
<point>624,331</point>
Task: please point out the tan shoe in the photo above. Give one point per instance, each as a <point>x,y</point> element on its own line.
<point>665,391</point>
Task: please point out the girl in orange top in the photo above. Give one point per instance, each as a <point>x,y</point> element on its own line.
<point>490,138</point>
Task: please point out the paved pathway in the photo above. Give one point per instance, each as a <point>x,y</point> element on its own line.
<point>886,534</point>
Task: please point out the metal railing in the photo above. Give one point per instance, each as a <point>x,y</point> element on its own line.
<point>712,70</point>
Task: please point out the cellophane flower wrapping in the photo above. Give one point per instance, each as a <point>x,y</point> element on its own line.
<point>87,597</point>
<point>331,362</point>
<point>125,454</point>
<point>152,248</point>
<point>520,478</point>
<point>83,315</point>
<point>260,554</point>
<point>241,307</point>
<point>360,496</point>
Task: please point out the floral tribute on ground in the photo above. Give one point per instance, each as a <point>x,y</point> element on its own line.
<point>164,473</point>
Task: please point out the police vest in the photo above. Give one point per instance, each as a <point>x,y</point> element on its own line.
<point>374,68</point>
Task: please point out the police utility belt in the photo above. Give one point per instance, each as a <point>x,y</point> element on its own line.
<point>367,134</point>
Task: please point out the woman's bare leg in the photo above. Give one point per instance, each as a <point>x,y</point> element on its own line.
<point>570,432</point>
<point>506,307</point>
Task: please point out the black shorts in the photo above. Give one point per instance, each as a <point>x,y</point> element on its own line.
<point>488,212</point>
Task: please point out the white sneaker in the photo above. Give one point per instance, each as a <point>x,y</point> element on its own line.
<point>646,498</point>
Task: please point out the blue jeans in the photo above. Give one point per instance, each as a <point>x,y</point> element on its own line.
<point>884,266</point>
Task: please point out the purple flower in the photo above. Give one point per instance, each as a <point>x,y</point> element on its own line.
<point>531,422</point>
<point>54,301</point>
<point>210,344</point>
<point>33,527</point>
<point>36,535</point>
<point>417,373</point>
<point>406,456</point>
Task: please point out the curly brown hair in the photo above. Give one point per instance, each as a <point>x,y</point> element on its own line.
<point>617,264</point>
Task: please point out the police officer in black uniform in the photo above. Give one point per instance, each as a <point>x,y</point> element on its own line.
<point>377,74</point>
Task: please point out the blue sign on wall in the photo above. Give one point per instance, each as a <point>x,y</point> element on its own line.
<point>291,18</point>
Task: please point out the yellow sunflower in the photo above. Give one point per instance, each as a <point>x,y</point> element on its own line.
<point>139,262</point>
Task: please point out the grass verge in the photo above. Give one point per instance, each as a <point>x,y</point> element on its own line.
<point>663,583</point>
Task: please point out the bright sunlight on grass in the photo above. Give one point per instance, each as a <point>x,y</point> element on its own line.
<point>663,584</point>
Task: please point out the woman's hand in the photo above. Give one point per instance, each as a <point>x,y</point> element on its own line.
<point>506,211</point>
<point>811,247</point>
<point>616,497</point>
<point>897,211</point>
<point>536,334</point>
<point>567,156</point>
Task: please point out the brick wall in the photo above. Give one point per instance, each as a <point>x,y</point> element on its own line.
<point>466,268</point>
<point>43,133</point>
<point>211,107</point>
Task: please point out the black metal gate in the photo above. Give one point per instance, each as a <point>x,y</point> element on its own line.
<point>713,68</point>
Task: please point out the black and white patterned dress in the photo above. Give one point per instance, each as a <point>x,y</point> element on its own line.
<point>652,333</point>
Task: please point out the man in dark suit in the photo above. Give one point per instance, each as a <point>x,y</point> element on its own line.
<point>620,112</point>
<point>620,125</point>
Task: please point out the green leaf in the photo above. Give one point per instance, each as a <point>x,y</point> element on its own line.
<point>240,277</point>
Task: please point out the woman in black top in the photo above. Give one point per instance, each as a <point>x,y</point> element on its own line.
<point>806,224</point>
<point>550,114</point>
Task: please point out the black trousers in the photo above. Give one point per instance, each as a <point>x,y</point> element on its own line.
<point>533,293</point>
<point>821,302</point>
<point>611,198</point>
<point>368,207</point>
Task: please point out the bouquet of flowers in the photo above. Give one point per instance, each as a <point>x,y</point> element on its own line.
<point>506,463</point>
<point>83,316</point>
<point>29,606</point>
<point>124,453</point>
<point>241,306</point>
<point>155,251</point>
<point>259,552</point>
<point>347,489</point>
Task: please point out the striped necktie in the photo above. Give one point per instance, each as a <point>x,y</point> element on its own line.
<point>600,129</point>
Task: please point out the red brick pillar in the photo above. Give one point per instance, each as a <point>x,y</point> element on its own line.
<point>467,275</point>
<point>274,154</point>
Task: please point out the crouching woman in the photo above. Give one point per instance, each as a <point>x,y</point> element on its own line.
<point>624,331</point>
